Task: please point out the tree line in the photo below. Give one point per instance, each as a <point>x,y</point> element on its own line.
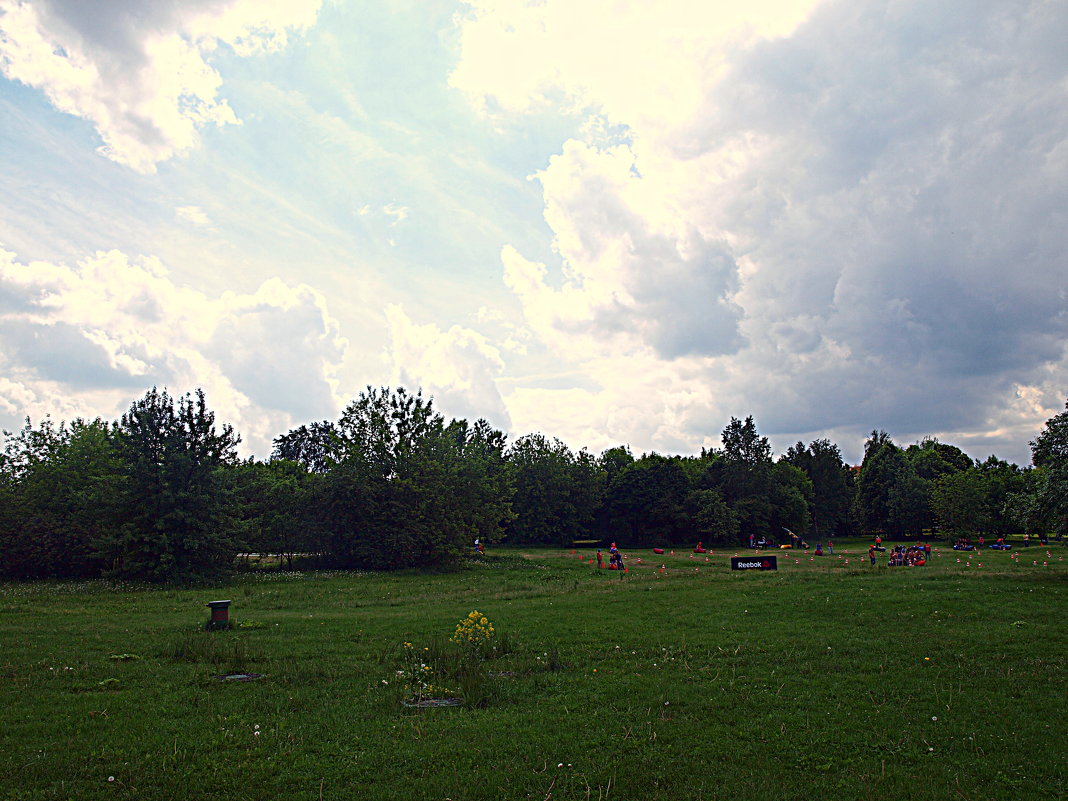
<point>161,494</point>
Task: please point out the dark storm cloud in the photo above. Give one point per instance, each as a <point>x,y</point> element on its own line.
<point>909,206</point>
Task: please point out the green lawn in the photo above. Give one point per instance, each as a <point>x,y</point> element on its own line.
<point>819,681</point>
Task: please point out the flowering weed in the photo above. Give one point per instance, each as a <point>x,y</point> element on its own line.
<point>475,632</point>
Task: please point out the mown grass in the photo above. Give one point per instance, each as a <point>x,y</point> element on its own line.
<point>822,680</point>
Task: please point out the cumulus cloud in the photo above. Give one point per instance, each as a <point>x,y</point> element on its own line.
<point>458,367</point>
<point>87,340</point>
<point>846,217</point>
<point>140,72</point>
<point>634,272</point>
<point>643,64</point>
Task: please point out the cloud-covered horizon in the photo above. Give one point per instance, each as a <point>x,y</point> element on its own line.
<point>611,224</point>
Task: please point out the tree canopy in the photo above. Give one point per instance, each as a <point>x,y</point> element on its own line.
<point>161,495</point>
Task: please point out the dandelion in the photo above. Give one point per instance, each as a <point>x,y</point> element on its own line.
<point>111,778</point>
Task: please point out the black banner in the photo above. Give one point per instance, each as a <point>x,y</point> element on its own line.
<point>754,563</point>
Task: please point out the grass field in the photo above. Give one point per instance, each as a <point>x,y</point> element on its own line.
<point>823,680</point>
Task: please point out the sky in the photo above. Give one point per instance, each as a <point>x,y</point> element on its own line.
<point>609,222</point>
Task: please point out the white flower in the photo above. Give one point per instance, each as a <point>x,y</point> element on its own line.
<point>111,778</point>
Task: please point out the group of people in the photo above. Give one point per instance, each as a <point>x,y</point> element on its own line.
<point>906,555</point>
<point>615,558</point>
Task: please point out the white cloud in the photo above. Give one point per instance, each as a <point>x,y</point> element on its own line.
<point>396,212</point>
<point>458,367</point>
<point>193,214</point>
<point>90,339</point>
<point>139,72</point>
<point>642,64</point>
<point>635,270</point>
<point>843,217</point>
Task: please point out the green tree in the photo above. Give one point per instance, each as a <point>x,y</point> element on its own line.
<point>1049,452</point>
<point>1003,481</point>
<point>742,444</point>
<point>180,522</point>
<point>401,492</point>
<point>960,502</point>
<point>764,497</point>
<point>484,483</point>
<point>61,485</point>
<point>832,486</point>
<point>646,503</point>
<point>556,492</point>
<point>891,499</point>
<point>712,520</point>
<point>317,446</point>
<point>614,461</point>
<point>276,503</point>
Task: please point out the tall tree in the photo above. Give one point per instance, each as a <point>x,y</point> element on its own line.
<point>408,490</point>
<point>1049,452</point>
<point>764,497</point>
<point>484,483</point>
<point>832,486</point>
<point>646,503</point>
<point>743,445</point>
<point>180,522</point>
<point>556,491</point>
<point>891,499</point>
<point>960,503</point>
